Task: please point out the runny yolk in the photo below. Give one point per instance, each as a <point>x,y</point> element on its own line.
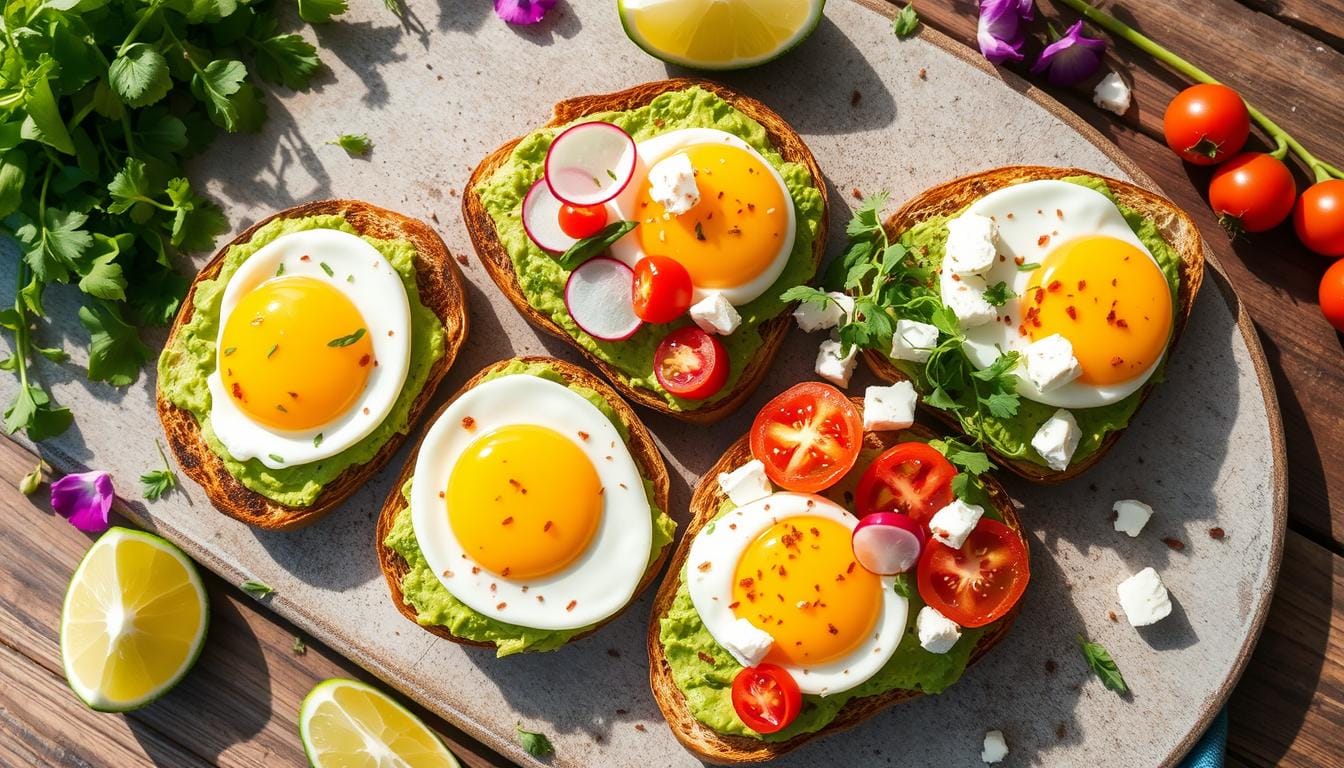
<point>798,581</point>
<point>1109,299</point>
<point>295,353</point>
<point>734,233</point>
<point>524,501</point>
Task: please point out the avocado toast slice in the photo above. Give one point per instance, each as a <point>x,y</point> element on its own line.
<point>403,565</point>
<point>1101,427</point>
<point>183,401</point>
<point>493,197</point>
<point>707,504</point>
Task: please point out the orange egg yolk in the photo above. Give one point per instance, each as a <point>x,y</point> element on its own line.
<point>1109,299</point>
<point>734,233</point>
<point>295,353</point>
<point>798,581</point>
<point>524,501</point>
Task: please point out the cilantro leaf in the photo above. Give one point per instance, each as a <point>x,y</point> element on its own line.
<point>533,743</point>
<point>53,246</point>
<point>320,11</point>
<point>999,293</point>
<point>902,585</point>
<point>865,219</point>
<point>130,191</point>
<point>32,411</point>
<point>906,22</point>
<point>140,75</point>
<point>116,353</point>
<point>102,276</point>
<point>1099,659</point>
<point>13,174</point>
<point>1001,405</point>
<point>354,144</point>
<point>43,121</point>
<point>154,484</point>
<point>218,86</point>
<point>286,59</point>
<point>972,461</point>
<point>806,294</point>
<point>197,221</point>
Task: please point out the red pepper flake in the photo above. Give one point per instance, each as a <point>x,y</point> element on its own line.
<point>856,193</point>
<point>956,277</point>
<point>1071,312</point>
<point>733,605</point>
<point>507,521</point>
<point>1175,544</point>
<point>504,573</point>
<point>746,582</point>
<point>1082,284</point>
<point>1110,317</point>
<point>703,567</point>
<point>850,568</point>
<point>475,569</point>
<point>1121,323</point>
<point>440,494</point>
<point>366,411</point>
<point>640,727</point>
<point>814,531</point>
<point>447,574</point>
<point>571,605</point>
<point>1010,216</point>
<point>501,606</point>
<point>782,573</point>
<point>547,527</point>
<point>705,657</point>
<point>1054,286</point>
<point>305,257</point>
<point>1059,213</point>
<point>583,436</point>
<point>1019,261</point>
<point>238,391</point>
<point>1217,533</point>
<point>839,577</point>
<point>294,395</point>
<point>1111,615</point>
<point>831,628</point>
<point>1043,240</point>
<point>364,360</point>
<point>540,599</point>
<point>1117,361</point>
<point>468,422</point>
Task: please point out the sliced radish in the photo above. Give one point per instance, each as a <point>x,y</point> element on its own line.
<point>598,296</point>
<point>590,163</point>
<point>888,543</point>
<point>541,219</point>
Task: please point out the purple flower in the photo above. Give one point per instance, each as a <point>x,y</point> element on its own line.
<point>1071,59</point>
<point>84,499</point>
<point>523,11</point>
<point>1002,30</point>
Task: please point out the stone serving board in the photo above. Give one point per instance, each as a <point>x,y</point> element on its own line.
<point>436,94</point>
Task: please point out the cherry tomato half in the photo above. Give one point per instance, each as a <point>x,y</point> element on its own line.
<point>808,437</point>
<point>766,697</point>
<point>662,289</point>
<point>1206,124</point>
<point>1252,192</point>
<point>912,478</point>
<point>1319,218</point>
<point>980,582</point>
<point>690,363</point>
<point>580,221</point>
<point>1332,295</point>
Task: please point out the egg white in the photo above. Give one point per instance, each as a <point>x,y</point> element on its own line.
<point>649,152</point>
<point>722,543</point>
<point>1034,206</point>
<point>380,296</point>
<point>604,578</point>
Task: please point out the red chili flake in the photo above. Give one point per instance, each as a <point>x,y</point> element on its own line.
<point>305,257</point>
<point>831,628</point>
<point>856,193</point>
<point>850,569</point>
<point>814,531</point>
<point>1111,615</point>
<point>1022,330</point>
<point>364,360</point>
<point>507,521</point>
<point>1010,215</point>
<point>703,567</point>
<point>1071,312</point>
<point>1110,317</point>
<point>1054,286</point>
<point>447,574</point>
<point>1121,323</point>
<point>571,605</point>
<point>294,395</point>
<point>238,391</point>
<point>956,277</point>
<point>1117,361</point>
<point>640,727</point>
<point>746,582</point>
<point>839,577</point>
<point>658,122</point>
<point>505,572</point>
<point>705,657</point>
<point>501,606</point>
<point>366,411</point>
<point>1043,240</point>
<point>733,605</point>
<point>547,527</point>
<point>1217,533</point>
<point>440,494</point>
<point>1040,295</point>
<point>475,569</point>
<point>1059,213</point>
<point>923,73</point>
<point>468,422</point>
<point>790,540</point>
<point>782,573</point>
<point>1082,284</point>
<point>1174,543</point>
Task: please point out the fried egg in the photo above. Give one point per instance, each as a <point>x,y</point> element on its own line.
<point>1077,270</point>
<point>313,348</point>
<point>785,564</point>
<point>528,506</point>
<point>736,240</point>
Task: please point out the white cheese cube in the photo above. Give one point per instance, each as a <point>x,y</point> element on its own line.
<point>953,523</point>
<point>913,341</point>
<point>811,317</point>
<point>937,633</point>
<point>1131,516</point>
<point>672,184</point>
<point>969,304</point>
<point>970,244</point>
<point>1144,598</point>
<point>995,748</point>
<point>1049,362</point>
<point>746,484</point>
<point>1112,93</point>
<point>832,367</point>
<point>1057,439</point>
<point>746,643</point>
<point>886,408</point>
<point>714,314</point>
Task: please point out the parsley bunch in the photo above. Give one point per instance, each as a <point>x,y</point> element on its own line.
<point>100,100</point>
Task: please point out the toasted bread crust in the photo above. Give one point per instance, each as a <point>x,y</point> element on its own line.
<point>497,263</point>
<point>705,742</point>
<point>439,283</point>
<point>642,449</point>
<point>1177,228</point>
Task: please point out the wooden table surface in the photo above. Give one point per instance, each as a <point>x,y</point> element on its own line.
<point>239,706</point>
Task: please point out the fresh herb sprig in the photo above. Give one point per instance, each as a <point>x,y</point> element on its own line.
<point>533,743</point>
<point>906,22</point>
<point>1099,659</point>
<point>99,103</point>
<point>589,247</point>
<point>155,483</point>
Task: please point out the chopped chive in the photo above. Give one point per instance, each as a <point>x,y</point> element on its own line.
<point>349,278</point>
<point>326,268</point>
<point>1028,267</point>
<point>280,270</point>
<point>277,459</point>
<point>274,347</point>
<point>612,175</point>
<point>281,408</point>
<point>345,341</point>
<point>317,439</point>
<point>229,351</point>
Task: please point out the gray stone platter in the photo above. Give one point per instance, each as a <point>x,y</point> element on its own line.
<point>451,84</point>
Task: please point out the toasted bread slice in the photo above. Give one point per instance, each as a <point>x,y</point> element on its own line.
<point>642,449</point>
<point>715,747</point>
<point>440,287</point>
<point>1177,228</point>
<point>497,262</point>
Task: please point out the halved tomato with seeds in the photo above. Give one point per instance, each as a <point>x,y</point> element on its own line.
<point>912,478</point>
<point>766,697</point>
<point>980,582</point>
<point>808,437</point>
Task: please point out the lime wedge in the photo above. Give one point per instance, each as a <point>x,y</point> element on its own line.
<point>718,34</point>
<point>345,723</point>
<point>134,620</point>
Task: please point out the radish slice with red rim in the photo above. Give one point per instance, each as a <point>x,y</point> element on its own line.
<point>590,163</point>
<point>541,219</point>
<point>599,296</point>
<point>888,543</point>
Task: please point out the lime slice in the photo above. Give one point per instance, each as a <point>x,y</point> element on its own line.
<point>134,620</point>
<point>718,34</point>
<point>347,724</point>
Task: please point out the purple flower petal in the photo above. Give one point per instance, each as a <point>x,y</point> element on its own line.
<point>523,11</point>
<point>84,499</point>
<point>1071,59</point>
<point>1002,30</point>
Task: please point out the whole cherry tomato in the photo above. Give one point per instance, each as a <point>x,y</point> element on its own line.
<point>1206,124</point>
<point>1332,295</point>
<point>580,221</point>
<point>1252,192</point>
<point>662,289</point>
<point>1319,218</point>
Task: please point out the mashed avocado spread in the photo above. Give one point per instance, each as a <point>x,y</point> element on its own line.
<point>436,606</point>
<point>1012,436</point>
<point>189,360</point>
<point>543,280</point>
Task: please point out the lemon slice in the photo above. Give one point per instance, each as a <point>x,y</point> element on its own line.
<point>718,34</point>
<point>347,724</point>
<point>133,622</point>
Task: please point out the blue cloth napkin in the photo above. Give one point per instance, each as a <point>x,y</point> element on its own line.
<point>1208,752</point>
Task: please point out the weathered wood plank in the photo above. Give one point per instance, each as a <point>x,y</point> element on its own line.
<point>1321,19</point>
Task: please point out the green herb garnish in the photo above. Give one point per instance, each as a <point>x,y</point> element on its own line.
<point>257,589</point>
<point>317,439</point>
<point>999,293</point>
<point>1099,659</point>
<point>229,351</point>
<point>533,743</point>
<point>278,459</point>
<point>272,350</point>
<point>589,247</point>
<point>906,22</point>
<point>345,341</point>
<point>1028,267</point>
<point>299,647</point>
<point>326,268</point>
<point>156,483</point>
<point>280,270</point>
<point>354,144</point>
